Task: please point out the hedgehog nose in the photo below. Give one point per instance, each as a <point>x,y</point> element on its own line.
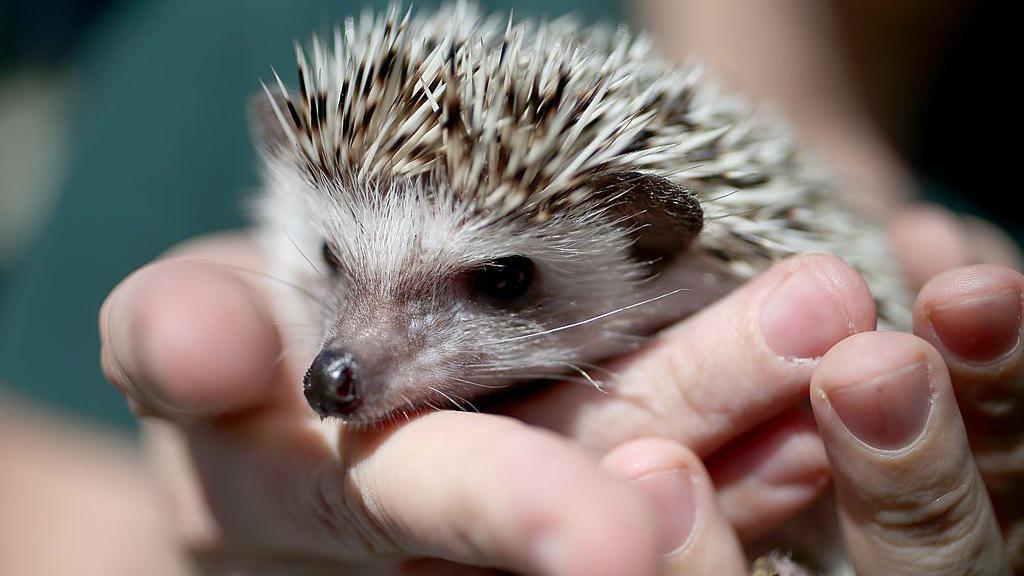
<point>331,385</point>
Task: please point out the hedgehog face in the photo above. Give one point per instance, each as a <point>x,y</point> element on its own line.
<point>461,206</point>
<point>416,299</point>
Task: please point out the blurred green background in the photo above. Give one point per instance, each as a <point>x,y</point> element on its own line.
<point>123,131</point>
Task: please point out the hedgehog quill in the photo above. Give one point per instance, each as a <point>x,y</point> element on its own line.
<point>469,203</point>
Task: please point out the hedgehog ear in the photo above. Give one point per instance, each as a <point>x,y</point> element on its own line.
<point>665,217</point>
<point>264,124</point>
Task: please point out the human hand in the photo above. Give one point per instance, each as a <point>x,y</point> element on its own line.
<point>648,381</point>
<point>977,310</point>
<point>259,483</point>
<point>909,494</point>
<point>192,343</point>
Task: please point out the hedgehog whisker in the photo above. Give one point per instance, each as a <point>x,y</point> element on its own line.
<point>583,373</point>
<point>287,349</point>
<point>722,197</point>
<point>412,408</point>
<point>304,257</point>
<point>471,383</point>
<point>466,402</point>
<point>733,214</point>
<point>301,290</point>
<point>433,406</point>
<point>591,319</point>
<point>600,368</point>
<point>559,377</point>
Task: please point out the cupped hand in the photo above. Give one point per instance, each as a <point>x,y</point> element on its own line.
<point>192,342</point>
<point>910,496</point>
<point>258,480</point>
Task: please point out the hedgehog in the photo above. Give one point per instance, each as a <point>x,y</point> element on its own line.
<point>468,203</point>
<point>465,204</point>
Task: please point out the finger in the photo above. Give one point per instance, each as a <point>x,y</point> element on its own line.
<point>696,537</point>
<point>721,372</point>
<point>193,335</point>
<point>187,339</point>
<point>501,507</point>
<point>973,317</point>
<point>929,240</point>
<point>469,488</point>
<point>992,245</point>
<point>770,474</point>
<point>911,499</point>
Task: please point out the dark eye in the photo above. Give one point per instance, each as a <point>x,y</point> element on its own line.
<point>330,258</point>
<point>504,279</point>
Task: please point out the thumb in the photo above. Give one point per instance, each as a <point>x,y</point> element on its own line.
<point>910,496</point>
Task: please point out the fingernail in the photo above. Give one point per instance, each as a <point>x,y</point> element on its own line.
<point>674,497</point>
<point>802,318</point>
<point>886,412</point>
<point>979,329</point>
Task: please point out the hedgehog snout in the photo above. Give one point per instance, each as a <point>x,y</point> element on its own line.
<point>331,385</point>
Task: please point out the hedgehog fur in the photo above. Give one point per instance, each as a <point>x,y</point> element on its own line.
<point>519,118</point>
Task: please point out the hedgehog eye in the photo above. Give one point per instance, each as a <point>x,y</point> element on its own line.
<point>504,279</point>
<point>330,258</point>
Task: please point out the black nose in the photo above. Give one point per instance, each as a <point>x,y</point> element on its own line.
<point>331,385</point>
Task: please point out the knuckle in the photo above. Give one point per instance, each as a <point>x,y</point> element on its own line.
<point>991,396</point>
<point>677,391</point>
<point>331,512</point>
<point>341,512</point>
<point>680,384</point>
<point>948,526</point>
<point>1002,465</point>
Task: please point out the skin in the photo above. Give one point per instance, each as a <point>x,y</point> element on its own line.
<point>176,338</point>
<point>886,408</point>
<point>72,497</point>
<point>955,311</point>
